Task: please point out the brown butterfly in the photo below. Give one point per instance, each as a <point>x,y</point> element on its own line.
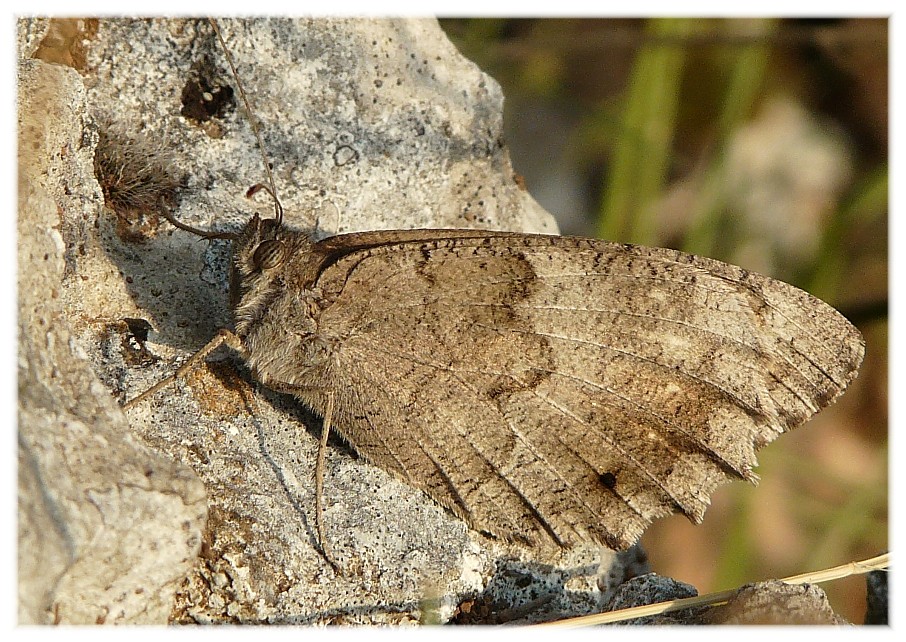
<point>540,387</point>
<point>546,389</point>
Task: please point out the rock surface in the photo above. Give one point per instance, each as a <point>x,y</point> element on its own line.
<point>108,528</point>
<point>775,602</point>
<point>369,124</point>
<point>652,589</point>
<point>771,602</point>
<point>877,598</point>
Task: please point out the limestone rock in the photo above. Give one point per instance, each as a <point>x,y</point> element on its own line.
<point>108,527</point>
<point>369,124</point>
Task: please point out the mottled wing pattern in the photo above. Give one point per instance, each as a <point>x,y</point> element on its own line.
<point>569,390</point>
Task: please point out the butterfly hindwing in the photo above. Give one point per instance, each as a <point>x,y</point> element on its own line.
<point>566,390</point>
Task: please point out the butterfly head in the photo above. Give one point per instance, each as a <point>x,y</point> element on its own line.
<point>258,252</point>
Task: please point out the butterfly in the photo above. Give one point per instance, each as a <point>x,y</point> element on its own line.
<point>548,390</point>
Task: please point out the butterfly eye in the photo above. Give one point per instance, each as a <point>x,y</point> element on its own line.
<point>269,254</point>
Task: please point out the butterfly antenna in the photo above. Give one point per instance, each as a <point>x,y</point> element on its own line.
<point>272,189</point>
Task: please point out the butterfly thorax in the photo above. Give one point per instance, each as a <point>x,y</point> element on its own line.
<point>275,306</point>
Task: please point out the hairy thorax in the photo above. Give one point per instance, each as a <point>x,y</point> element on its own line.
<point>277,309</point>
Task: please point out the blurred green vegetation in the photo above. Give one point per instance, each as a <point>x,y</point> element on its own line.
<point>678,141</point>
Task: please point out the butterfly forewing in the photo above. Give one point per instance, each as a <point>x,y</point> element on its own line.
<point>555,389</point>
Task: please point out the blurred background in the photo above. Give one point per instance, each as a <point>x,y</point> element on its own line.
<point>759,142</point>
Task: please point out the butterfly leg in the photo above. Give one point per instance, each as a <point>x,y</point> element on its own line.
<point>223,336</point>
<point>319,486</point>
<point>321,401</point>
